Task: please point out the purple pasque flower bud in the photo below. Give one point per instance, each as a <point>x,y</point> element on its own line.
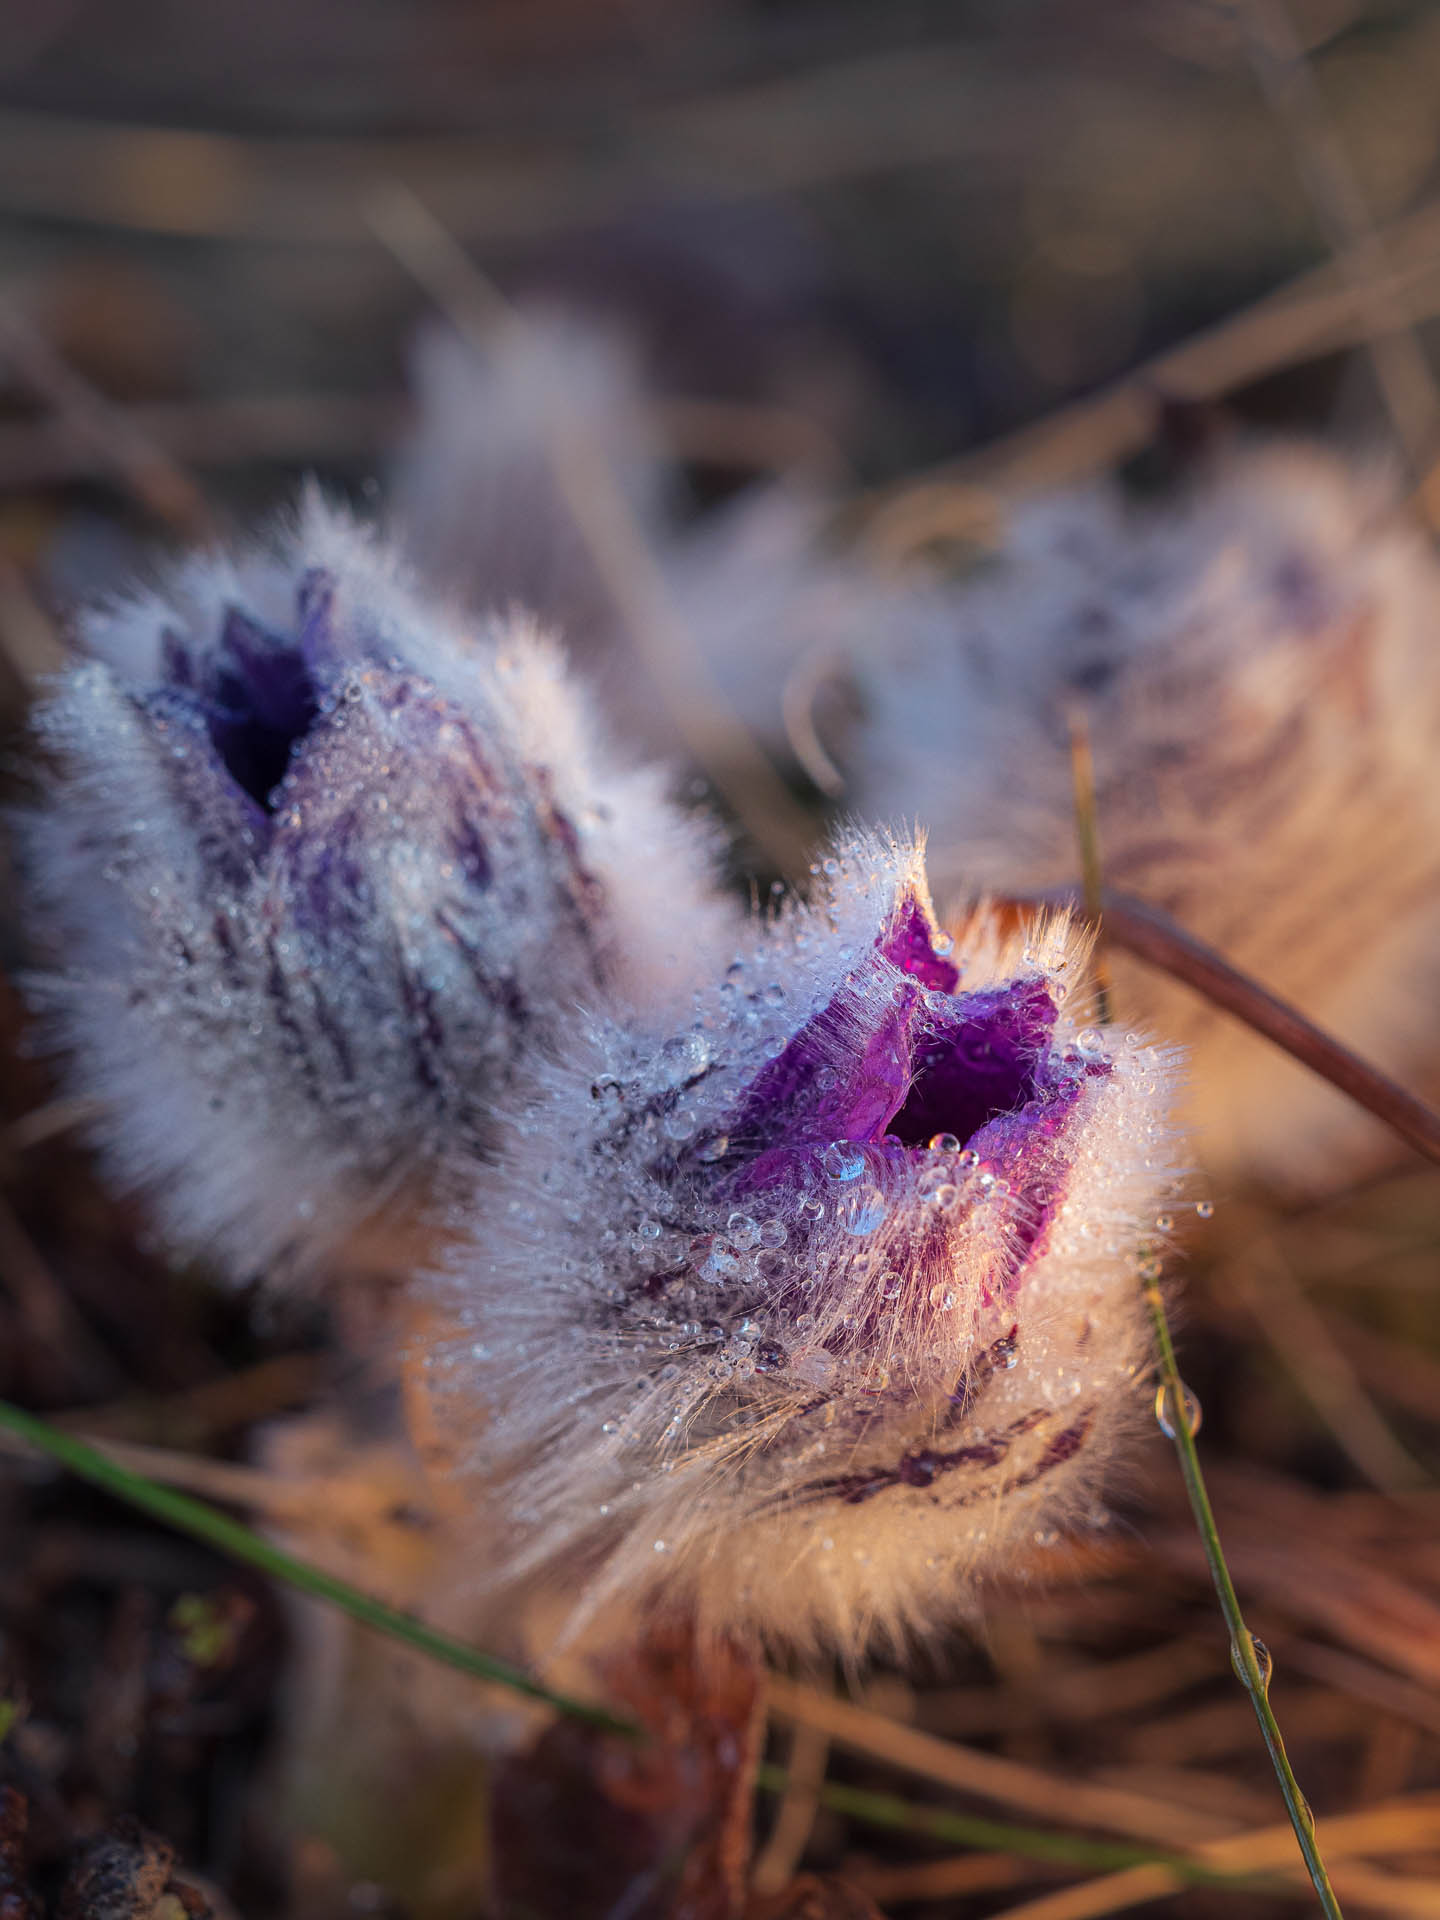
<point>317,866</point>
<point>1257,665</point>
<point>820,1307</point>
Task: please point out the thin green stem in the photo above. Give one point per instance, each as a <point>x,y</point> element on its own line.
<point>994,1836</point>
<point>1174,1401</point>
<point>1246,1652</point>
<point>230,1537</point>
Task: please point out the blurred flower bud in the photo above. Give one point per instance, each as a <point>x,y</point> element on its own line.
<point>1257,665</point>
<point>823,1308</point>
<point>475,498</point>
<point>477,502</point>
<point>317,866</point>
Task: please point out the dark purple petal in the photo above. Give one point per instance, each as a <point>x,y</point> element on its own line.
<point>909,945</point>
<point>978,1060</point>
<point>274,678</point>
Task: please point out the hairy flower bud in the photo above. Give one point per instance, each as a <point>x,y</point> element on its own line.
<point>818,1308</point>
<point>317,865</point>
<point>1258,669</point>
<point>476,499</point>
<point>479,500</point>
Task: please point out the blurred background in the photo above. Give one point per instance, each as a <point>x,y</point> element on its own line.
<point>926,252</point>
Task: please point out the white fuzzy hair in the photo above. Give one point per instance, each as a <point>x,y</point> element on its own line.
<point>1259,670</point>
<point>260,1075</point>
<point>654,1389</point>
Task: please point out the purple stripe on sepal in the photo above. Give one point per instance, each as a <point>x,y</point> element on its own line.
<point>228,828</point>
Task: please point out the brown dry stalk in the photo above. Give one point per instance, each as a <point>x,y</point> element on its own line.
<point>1405,1826</point>
<point>1050,1796</point>
<point>1151,935</point>
<point>157,482</point>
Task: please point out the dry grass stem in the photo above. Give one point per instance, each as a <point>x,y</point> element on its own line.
<point>157,482</point>
<point>1317,313</point>
<point>1151,935</point>
<point>1297,1333</point>
<point>805,1764</point>
<point>1404,1827</point>
<point>1403,373</point>
<point>1051,1797</point>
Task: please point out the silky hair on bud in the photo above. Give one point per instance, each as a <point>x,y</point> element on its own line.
<point>1255,661</point>
<point>316,864</point>
<point>818,1308</point>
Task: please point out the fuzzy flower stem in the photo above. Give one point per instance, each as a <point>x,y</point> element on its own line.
<point>1152,936</point>
<point>1250,1658</point>
<point>228,1536</point>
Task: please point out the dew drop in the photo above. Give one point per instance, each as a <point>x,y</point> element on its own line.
<point>815,1367</point>
<point>843,1160</point>
<point>1164,1222</point>
<point>1264,1662</point>
<point>861,1212</point>
<point>1165,1410</point>
<point>944,1143</point>
<point>742,1231</point>
<point>1205,1209</point>
<point>1091,1042</point>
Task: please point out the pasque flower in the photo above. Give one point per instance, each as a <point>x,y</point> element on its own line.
<point>815,1307</point>
<point>1256,661</point>
<point>317,863</point>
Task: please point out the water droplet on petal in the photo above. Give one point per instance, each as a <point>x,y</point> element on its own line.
<point>861,1212</point>
<point>742,1231</point>
<point>843,1160</point>
<point>944,1143</point>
